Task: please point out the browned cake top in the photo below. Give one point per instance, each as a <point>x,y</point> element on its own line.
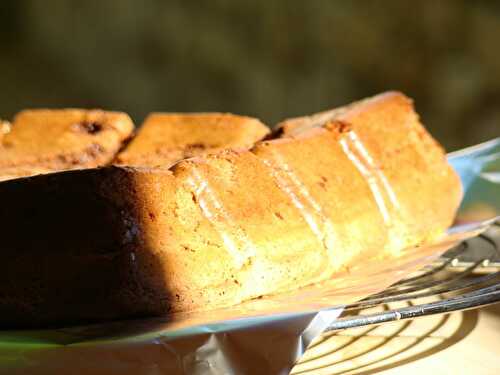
<point>46,140</point>
<point>166,138</point>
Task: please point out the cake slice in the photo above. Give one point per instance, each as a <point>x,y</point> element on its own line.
<point>43,141</point>
<point>164,138</point>
<point>213,231</point>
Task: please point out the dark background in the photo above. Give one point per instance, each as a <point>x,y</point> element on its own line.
<point>265,58</point>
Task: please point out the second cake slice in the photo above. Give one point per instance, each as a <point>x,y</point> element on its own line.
<point>166,138</point>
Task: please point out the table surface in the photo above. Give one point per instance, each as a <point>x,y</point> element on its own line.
<point>465,342</point>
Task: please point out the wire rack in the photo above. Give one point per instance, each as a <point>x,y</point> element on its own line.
<point>466,277</point>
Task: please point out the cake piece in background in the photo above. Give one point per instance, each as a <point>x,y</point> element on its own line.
<point>166,138</point>
<point>44,141</point>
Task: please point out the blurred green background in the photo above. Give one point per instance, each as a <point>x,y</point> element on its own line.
<point>270,59</point>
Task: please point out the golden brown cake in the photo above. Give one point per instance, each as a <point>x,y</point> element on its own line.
<point>42,141</point>
<point>120,242</point>
<point>167,138</point>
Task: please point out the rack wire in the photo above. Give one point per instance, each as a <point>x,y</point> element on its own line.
<point>465,277</point>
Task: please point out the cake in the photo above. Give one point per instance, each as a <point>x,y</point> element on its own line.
<point>165,138</point>
<point>215,230</point>
<point>43,141</point>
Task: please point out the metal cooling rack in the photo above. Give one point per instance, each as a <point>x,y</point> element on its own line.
<point>466,277</point>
